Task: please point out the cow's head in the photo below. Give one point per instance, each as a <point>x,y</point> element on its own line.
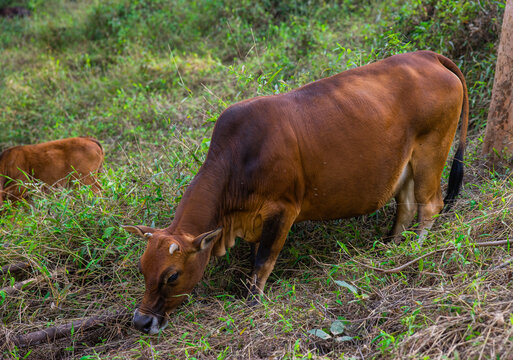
<point>172,265</point>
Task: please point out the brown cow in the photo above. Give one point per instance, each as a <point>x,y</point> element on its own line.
<point>14,11</point>
<point>54,163</point>
<point>335,148</point>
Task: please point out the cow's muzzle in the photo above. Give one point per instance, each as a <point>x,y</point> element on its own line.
<point>148,324</point>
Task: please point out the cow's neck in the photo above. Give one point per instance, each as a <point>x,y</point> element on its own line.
<point>200,207</point>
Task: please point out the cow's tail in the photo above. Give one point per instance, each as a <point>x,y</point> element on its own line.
<point>456,175</point>
<point>100,168</point>
<point>95,141</point>
<point>90,138</point>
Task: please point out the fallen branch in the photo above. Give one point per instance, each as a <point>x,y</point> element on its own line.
<point>504,264</point>
<point>14,268</point>
<point>452,248</point>
<point>70,329</point>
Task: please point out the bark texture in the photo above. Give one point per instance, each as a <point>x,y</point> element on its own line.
<point>70,329</point>
<point>14,268</point>
<point>498,142</point>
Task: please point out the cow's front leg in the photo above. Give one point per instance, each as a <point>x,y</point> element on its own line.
<point>252,255</point>
<point>274,234</point>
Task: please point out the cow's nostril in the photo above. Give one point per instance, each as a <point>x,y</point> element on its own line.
<point>142,322</point>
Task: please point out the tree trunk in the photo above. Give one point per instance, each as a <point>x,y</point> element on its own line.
<point>498,142</point>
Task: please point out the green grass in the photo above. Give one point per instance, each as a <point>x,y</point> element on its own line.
<point>149,79</point>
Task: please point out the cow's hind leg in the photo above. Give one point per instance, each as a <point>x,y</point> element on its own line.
<point>406,204</point>
<point>274,232</point>
<point>91,179</point>
<point>427,174</point>
<point>428,209</point>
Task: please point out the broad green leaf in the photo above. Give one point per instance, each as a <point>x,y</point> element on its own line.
<point>343,338</point>
<point>319,333</point>
<point>337,327</point>
<point>347,286</point>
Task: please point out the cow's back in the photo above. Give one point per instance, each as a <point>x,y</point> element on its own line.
<point>337,147</point>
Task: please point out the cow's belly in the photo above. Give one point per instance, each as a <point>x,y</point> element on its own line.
<point>343,191</point>
<point>339,206</point>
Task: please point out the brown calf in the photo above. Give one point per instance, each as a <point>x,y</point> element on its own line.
<point>335,148</point>
<point>51,163</point>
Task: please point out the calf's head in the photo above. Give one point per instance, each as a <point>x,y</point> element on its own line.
<point>172,265</point>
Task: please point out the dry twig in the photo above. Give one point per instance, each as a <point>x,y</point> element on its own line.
<point>452,248</point>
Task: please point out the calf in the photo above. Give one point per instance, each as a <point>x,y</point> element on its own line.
<point>54,163</point>
<point>336,148</point>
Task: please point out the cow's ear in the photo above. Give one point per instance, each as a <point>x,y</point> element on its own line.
<point>204,240</point>
<point>142,231</point>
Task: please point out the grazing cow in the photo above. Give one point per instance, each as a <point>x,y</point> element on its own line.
<point>54,163</point>
<point>336,148</point>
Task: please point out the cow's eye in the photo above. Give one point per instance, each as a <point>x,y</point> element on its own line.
<point>172,278</point>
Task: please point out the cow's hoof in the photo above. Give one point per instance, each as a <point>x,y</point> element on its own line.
<point>254,297</point>
<point>255,301</point>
